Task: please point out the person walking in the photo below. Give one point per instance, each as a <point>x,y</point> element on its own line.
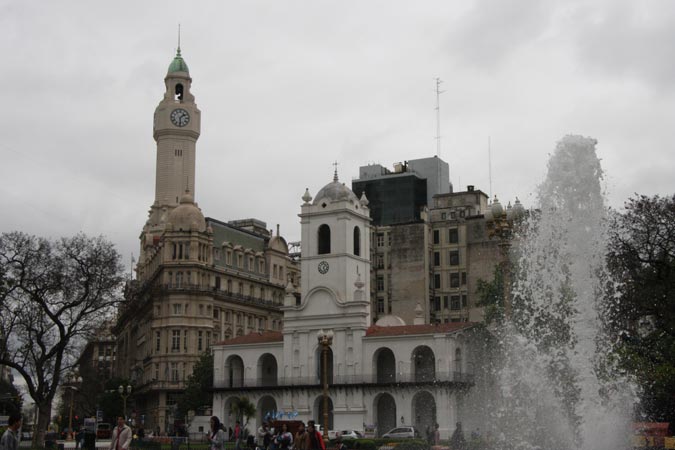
<point>457,441</point>
<point>263,436</point>
<point>121,436</point>
<point>236,435</point>
<point>285,438</point>
<point>10,438</point>
<point>216,435</point>
<point>436,439</point>
<point>314,438</point>
<point>301,437</point>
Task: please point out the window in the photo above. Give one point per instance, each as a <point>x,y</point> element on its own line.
<point>261,266</point>
<point>156,371</point>
<point>240,261</point>
<point>201,310</point>
<point>464,301</point>
<point>437,303</point>
<point>250,263</point>
<point>454,302</point>
<point>380,305</point>
<point>380,284</point>
<point>218,283</point>
<point>241,288</point>
<point>262,293</point>
<point>175,340</point>
<point>227,316</point>
<point>453,215</point>
<point>454,280</point>
<point>208,339</point>
<point>275,271</point>
<point>324,239</point>
<point>215,313</point>
<point>445,302</point>
<point>357,241</point>
<point>453,236</point>
<point>158,341</point>
<point>443,216</point>
<point>380,239</point>
<point>462,213</point>
<point>437,281</point>
<point>260,324</point>
<point>199,340</point>
<point>185,340</point>
<point>228,257</point>
<point>177,309</point>
<point>437,259</point>
<point>454,257</point>
<point>437,237</point>
<point>174,371</point>
<point>179,279</point>
<point>379,261</point>
<point>463,278</point>
<point>229,286</point>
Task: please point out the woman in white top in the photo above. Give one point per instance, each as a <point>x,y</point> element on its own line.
<point>217,435</point>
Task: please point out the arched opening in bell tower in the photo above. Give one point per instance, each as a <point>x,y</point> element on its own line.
<point>179,92</point>
<point>357,241</point>
<point>324,239</point>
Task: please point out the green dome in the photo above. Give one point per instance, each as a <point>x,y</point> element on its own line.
<point>178,64</point>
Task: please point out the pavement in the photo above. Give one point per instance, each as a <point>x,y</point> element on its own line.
<point>100,444</point>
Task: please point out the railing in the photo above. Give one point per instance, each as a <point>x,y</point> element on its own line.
<point>439,377</point>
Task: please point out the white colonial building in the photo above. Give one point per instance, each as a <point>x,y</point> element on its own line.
<point>386,375</point>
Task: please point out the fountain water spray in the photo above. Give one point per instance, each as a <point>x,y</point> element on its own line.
<point>559,388</point>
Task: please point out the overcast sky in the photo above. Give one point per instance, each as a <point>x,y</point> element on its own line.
<point>287,87</point>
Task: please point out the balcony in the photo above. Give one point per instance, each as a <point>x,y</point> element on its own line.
<point>444,378</point>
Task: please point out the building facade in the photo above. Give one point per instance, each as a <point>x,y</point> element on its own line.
<point>198,279</point>
<point>385,375</point>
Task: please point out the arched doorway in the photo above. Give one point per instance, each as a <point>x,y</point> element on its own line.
<point>385,413</point>
<point>424,411</point>
<point>318,411</point>
<point>267,370</point>
<point>266,408</point>
<point>385,366</point>
<point>234,371</point>
<point>424,364</point>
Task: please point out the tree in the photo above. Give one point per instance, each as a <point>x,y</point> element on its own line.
<point>242,408</point>
<point>197,393</point>
<point>491,297</point>
<point>53,295</point>
<point>642,256</point>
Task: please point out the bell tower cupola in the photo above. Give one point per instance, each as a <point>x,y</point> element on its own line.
<point>176,129</point>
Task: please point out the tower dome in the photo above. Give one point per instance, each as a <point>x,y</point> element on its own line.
<point>187,216</point>
<point>178,64</point>
<point>335,192</point>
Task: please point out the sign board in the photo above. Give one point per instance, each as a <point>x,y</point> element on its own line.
<point>3,421</point>
<point>99,415</point>
<point>90,424</point>
<point>369,431</point>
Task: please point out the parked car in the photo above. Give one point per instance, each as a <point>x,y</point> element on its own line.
<point>349,434</point>
<point>103,431</point>
<point>402,432</point>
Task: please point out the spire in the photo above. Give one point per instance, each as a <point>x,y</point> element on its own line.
<point>335,176</point>
<point>178,64</point>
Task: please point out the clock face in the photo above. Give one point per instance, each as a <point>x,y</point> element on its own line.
<point>323,267</point>
<point>180,117</point>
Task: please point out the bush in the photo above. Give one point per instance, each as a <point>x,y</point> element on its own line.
<point>413,444</point>
<point>364,444</point>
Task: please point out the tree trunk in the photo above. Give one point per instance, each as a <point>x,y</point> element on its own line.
<point>44,417</point>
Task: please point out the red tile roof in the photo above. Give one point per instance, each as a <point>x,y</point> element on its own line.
<point>406,330</point>
<point>254,338</point>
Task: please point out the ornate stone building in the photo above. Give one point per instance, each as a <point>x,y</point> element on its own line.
<point>388,374</point>
<point>199,280</point>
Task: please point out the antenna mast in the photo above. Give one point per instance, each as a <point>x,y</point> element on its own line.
<point>490,163</point>
<point>438,132</point>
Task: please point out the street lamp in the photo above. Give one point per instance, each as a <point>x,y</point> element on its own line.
<point>500,225</point>
<point>325,340</point>
<point>72,379</point>
<point>124,391</point>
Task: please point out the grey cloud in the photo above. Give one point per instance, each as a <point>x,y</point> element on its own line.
<point>490,31</point>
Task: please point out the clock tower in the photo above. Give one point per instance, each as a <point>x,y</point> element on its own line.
<point>176,129</point>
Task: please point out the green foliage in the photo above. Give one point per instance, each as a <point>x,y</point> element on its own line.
<point>413,444</point>
<point>110,401</point>
<point>491,296</point>
<point>243,408</point>
<point>197,395</point>
<point>361,444</point>
<point>642,311</point>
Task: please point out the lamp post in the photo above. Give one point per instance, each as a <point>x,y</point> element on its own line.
<point>500,225</point>
<point>124,391</point>
<point>72,379</point>
<point>325,340</point>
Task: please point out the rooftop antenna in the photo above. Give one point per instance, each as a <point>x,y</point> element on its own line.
<point>490,163</point>
<point>438,133</point>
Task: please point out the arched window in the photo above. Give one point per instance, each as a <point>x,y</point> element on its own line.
<point>357,241</point>
<point>324,239</point>
<point>179,92</point>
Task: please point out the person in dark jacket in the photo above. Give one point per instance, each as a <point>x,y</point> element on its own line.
<point>314,438</point>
